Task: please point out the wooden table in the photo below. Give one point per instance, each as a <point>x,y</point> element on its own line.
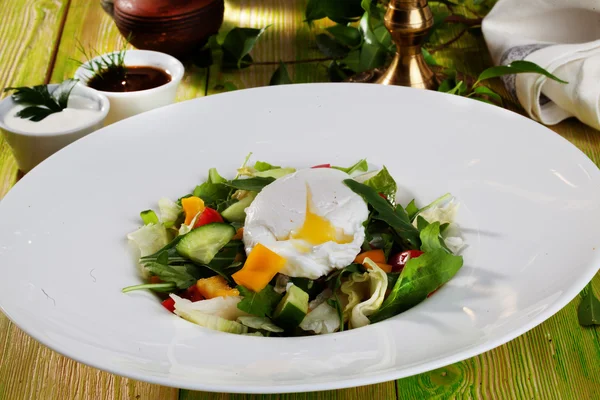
<point>557,360</point>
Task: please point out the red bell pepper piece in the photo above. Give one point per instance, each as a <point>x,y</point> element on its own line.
<point>169,304</point>
<point>208,216</point>
<point>322,166</point>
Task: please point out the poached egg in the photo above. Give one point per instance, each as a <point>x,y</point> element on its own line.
<point>311,219</point>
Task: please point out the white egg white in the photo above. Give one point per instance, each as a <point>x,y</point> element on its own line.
<point>280,209</point>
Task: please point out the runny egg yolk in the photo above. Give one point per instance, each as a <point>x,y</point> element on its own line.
<point>316,229</point>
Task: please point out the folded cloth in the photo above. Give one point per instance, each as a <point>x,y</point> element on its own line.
<point>561,36</point>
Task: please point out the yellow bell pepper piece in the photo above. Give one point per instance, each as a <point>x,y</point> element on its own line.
<point>261,266</point>
<point>215,286</point>
<point>191,206</point>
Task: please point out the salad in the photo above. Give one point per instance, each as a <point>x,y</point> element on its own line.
<point>284,252</point>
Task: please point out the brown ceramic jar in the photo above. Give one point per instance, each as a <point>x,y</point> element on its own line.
<point>176,27</point>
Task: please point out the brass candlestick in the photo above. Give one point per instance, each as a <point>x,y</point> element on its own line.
<point>408,21</point>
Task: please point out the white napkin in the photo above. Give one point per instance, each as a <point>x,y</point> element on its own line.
<point>563,37</point>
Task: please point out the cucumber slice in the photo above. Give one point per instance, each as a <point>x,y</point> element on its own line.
<point>212,322</point>
<point>292,309</point>
<point>203,243</point>
<point>237,211</point>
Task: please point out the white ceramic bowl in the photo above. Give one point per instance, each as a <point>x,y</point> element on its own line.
<point>530,214</point>
<point>127,104</point>
<point>30,149</point>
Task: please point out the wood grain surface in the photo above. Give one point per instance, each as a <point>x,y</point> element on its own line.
<point>38,40</point>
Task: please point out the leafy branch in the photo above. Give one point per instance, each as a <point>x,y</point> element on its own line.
<point>360,41</point>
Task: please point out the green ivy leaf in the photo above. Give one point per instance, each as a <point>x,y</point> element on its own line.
<point>280,76</point>
<point>337,73</point>
<point>330,47</point>
<point>446,85</point>
<point>314,11</point>
<point>589,309</point>
<point>516,67</point>
<point>371,56</point>
<point>428,57</point>
<point>486,91</point>
<point>239,42</point>
<point>346,35</point>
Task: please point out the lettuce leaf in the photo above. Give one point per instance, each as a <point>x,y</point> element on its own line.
<point>169,211</point>
<point>323,319</point>
<point>224,307</point>
<point>378,284</point>
<point>261,323</point>
<point>150,238</point>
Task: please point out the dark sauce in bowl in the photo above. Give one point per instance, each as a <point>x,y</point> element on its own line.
<point>133,79</point>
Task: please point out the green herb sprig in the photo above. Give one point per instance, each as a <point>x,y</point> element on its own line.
<point>99,65</point>
<point>40,102</point>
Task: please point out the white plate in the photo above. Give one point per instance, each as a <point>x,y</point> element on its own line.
<point>530,213</point>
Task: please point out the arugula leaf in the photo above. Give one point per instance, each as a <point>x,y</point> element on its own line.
<point>169,250</point>
<point>421,223</point>
<point>261,304</point>
<point>212,193</point>
<point>214,177</point>
<point>262,166</point>
<point>394,217</point>
<point>239,42</point>
<point>412,210</point>
<point>281,76</point>
<point>330,47</point>
<point>516,67</point>
<point>255,184</point>
<point>383,241</point>
<point>346,35</point>
<point>589,309</point>
<point>431,238</point>
<point>361,165</point>
<point>183,276</point>
<point>155,287</point>
<point>384,183</point>
<point>420,276</point>
<point>225,260</point>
